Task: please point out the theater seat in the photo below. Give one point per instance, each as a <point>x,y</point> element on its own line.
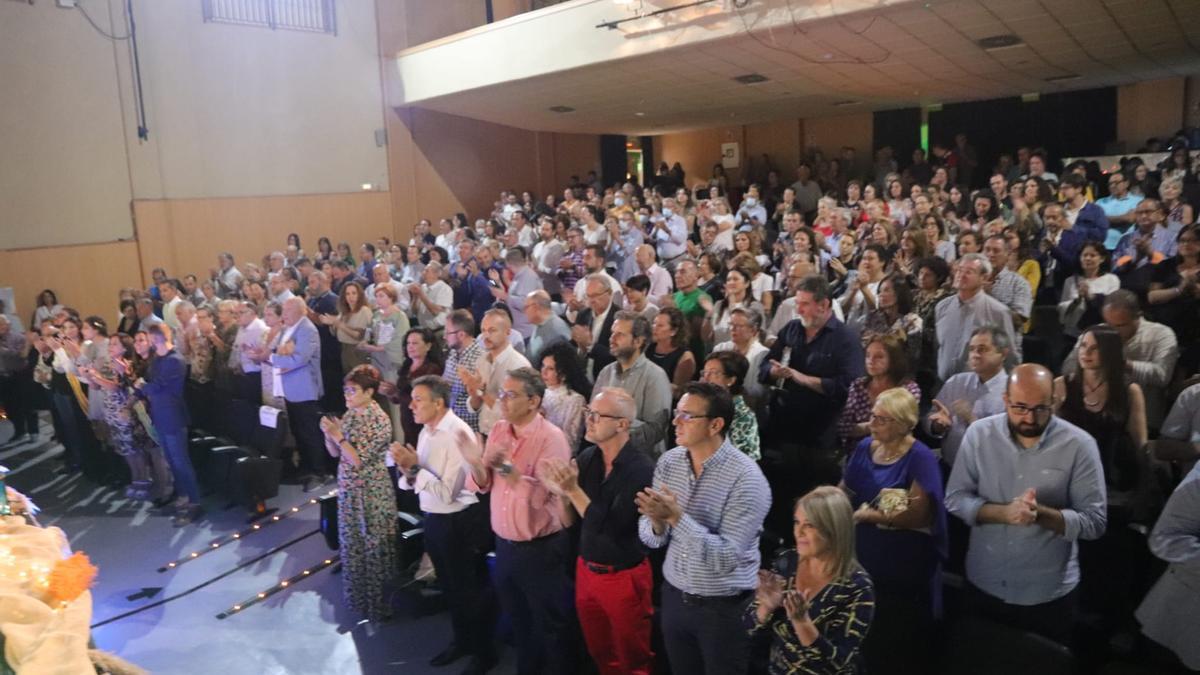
<point>977,646</point>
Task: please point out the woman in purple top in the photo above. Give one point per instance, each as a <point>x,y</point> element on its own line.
<point>896,489</point>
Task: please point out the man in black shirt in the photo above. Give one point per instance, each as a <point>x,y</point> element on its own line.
<point>810,368</point>
<point>612,578</point>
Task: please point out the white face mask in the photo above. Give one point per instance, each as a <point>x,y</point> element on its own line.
<point>625,225</point>
<point>643,218</point>
<point>619,201</point>
<point>667,213</point>
<point>751,201</point>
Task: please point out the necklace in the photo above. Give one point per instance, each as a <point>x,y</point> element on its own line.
<point>1092,402</point>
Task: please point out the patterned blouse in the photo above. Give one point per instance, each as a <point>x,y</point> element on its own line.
<point>858,409</point>
<point>908,329</point>
<point>200,353</point>
<point>743,433</point>
<point>842,613</point>
<point>564,409</point>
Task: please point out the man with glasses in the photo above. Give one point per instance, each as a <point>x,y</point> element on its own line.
<point>1030,485</point>
<point>593,325</point>
<point>532,548</point>
<point>643,379</point>
<point>297,358</point>
<point>957,316</point>
<point>1149,243</point>
<point>971,395</point>
<point>246,346</point>
<point>612,574</point>
<point>707,510</point>
<point>1120,206</point>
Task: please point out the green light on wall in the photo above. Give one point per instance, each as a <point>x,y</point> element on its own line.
<point>925,137</point>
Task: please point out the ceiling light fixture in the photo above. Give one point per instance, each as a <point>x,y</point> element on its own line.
<point>751,78</point>
<point>1002,41</point>
<point>1063,78</point>
<point>843,104</point>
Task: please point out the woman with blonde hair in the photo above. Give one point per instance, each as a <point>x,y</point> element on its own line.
<point>818,602</point>
<point>895,486</point>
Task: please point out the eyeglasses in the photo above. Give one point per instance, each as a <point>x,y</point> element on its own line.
<point>505,394</point>
<point>686,416</point>
<point>1022,410</point>
<point>592,415</point>
<point>882,419</point>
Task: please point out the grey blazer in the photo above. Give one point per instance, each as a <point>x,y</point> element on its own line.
<point>302,368</point>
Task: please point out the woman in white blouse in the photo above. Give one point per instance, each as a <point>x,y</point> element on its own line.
<point>745,326</point>
<point>738,293</point>
<point>1086,290</point>
<point>567,391</point>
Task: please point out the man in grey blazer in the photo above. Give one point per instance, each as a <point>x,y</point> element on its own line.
<point>297,377</point>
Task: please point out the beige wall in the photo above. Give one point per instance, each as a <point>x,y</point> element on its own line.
<point>85,277</point>
<point>697,151</point>
<point>1146,109</point>
<point>830,134</point>
<point>64,178</point>
<point>232,111</point>
<point>185,235</point>
<point>254,133</point>
<point>444,164</point>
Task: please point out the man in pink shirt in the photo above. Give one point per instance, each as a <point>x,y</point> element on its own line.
<point>532,548</point>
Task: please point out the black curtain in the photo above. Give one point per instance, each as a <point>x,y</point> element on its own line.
<point>900,129</point>
<point>612,159</point>
<point>1067,124</point>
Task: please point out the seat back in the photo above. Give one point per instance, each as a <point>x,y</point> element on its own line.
<point>977,646</point>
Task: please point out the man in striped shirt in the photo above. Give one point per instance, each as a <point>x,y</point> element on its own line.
<point>707,509</point>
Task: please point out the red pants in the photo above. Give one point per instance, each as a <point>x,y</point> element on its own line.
<point>614,611</point>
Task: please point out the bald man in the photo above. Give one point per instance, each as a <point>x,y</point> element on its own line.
<point>547,327</point>
<point>1029,485</point>
<point>660,279</point>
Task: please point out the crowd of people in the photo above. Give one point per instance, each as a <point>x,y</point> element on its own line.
<point>712,417</point>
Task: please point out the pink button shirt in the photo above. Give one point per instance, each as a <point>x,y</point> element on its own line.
<point>527,510</point>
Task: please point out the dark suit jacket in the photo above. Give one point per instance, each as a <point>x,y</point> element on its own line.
<point>599,354</point>
<point>164,392</point>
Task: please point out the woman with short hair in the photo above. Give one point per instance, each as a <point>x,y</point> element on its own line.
<point>895,486</point>
<point>728,369</point>
<point>366,500</point>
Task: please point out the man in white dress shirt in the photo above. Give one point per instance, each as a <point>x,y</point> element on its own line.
<point>456,525</point>
<point>433,298</point>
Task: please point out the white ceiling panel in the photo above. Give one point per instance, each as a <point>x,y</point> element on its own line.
<point>900,55</point>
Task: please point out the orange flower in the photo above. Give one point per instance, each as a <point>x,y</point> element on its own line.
<point>70,578</point>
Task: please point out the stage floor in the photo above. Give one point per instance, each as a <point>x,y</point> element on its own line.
<point>302,629</point>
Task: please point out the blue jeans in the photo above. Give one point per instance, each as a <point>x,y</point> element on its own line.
<point>175,447</point>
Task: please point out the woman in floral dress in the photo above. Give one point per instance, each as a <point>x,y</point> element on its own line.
<point>131,433</point>
<point>366,500</point>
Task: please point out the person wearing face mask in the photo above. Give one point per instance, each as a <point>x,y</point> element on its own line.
<point>670,235</point>
<point>624,240</point>
<point>751,213</point>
